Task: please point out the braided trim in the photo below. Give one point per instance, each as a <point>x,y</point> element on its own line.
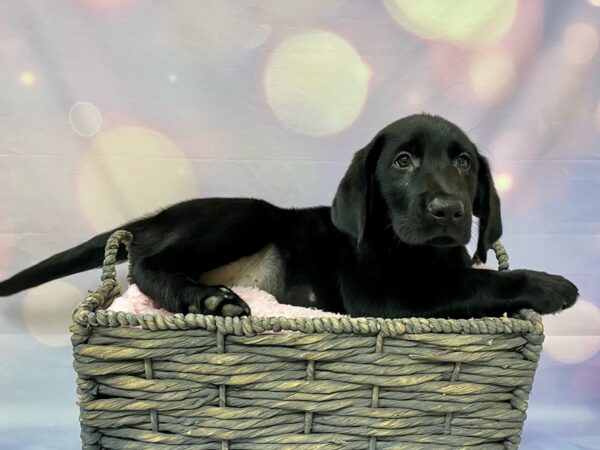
<point>527,321</point>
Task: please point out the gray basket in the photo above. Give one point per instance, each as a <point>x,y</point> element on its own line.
<point>200,382</point>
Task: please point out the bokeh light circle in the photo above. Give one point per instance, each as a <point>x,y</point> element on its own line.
<point>47,312</point>
<point>503,182</point>
<point>580,43</point>
<point>316,83</point>
<point>27,78</point>
<point>492,75</point>
<point>129,172</point>
<point>85,119</point>
<point>470,23</point>
<point>573,335</point>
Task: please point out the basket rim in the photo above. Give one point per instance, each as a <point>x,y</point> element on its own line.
<point>90,313</point>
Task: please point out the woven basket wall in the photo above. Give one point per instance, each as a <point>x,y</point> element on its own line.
<point>199,382</point>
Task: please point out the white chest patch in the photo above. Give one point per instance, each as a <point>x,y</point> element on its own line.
<point>263,270</point>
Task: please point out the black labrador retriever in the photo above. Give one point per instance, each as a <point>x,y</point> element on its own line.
<point>391,245</point>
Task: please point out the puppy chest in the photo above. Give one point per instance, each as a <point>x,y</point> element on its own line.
<point>263,270</point>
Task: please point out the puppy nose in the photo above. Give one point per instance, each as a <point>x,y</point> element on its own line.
<point>446,210</point>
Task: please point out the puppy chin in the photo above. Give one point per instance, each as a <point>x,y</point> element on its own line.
<point>436,238</point>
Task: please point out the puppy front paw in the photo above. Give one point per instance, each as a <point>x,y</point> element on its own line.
<point>549,293</point>
<point>219,301</point>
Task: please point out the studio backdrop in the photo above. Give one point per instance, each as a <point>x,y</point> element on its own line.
<point>110,109</point>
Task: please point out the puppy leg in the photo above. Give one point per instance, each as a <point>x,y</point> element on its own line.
<point>177,293</point>
<point>171,251</point>
<point>478,293</point>
<point>464,293</point>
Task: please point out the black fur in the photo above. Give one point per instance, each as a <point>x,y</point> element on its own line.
<point>392,244</point>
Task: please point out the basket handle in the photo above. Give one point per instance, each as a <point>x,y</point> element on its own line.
<point>111,250</point>
<point>501,256</point>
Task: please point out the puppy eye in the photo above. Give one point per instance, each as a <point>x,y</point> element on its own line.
<point>463,162</point>
<point>403,160</point>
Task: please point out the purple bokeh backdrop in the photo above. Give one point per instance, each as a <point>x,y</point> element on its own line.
<point>112,108</point>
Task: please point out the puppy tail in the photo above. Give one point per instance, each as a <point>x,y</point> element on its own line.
<point>80,258</point>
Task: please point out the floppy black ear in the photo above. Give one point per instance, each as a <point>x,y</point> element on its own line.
<point>487,208</point>
<point>353,201</point>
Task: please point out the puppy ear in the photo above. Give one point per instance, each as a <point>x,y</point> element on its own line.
<point>487,208</point>
<point>353,201</point>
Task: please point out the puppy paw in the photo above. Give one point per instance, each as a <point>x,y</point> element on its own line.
<point>549,293</point>
<point>219,301</point>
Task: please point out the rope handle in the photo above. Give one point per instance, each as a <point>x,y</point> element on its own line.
<point>501,256</point>
<point>111,250</point>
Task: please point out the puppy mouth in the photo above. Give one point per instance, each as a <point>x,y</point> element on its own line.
<point>443,237</point>
<point>444,240</point>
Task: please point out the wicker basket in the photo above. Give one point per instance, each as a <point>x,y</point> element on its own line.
<point>199,382</point>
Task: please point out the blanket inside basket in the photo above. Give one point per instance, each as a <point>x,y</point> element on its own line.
<point>262,304</point>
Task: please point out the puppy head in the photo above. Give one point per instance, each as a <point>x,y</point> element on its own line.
<point>423,178</point>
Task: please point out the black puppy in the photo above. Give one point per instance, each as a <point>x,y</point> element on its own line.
<point>392,244</point>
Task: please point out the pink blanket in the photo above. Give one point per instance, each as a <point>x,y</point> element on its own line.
<point>262,304</point>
